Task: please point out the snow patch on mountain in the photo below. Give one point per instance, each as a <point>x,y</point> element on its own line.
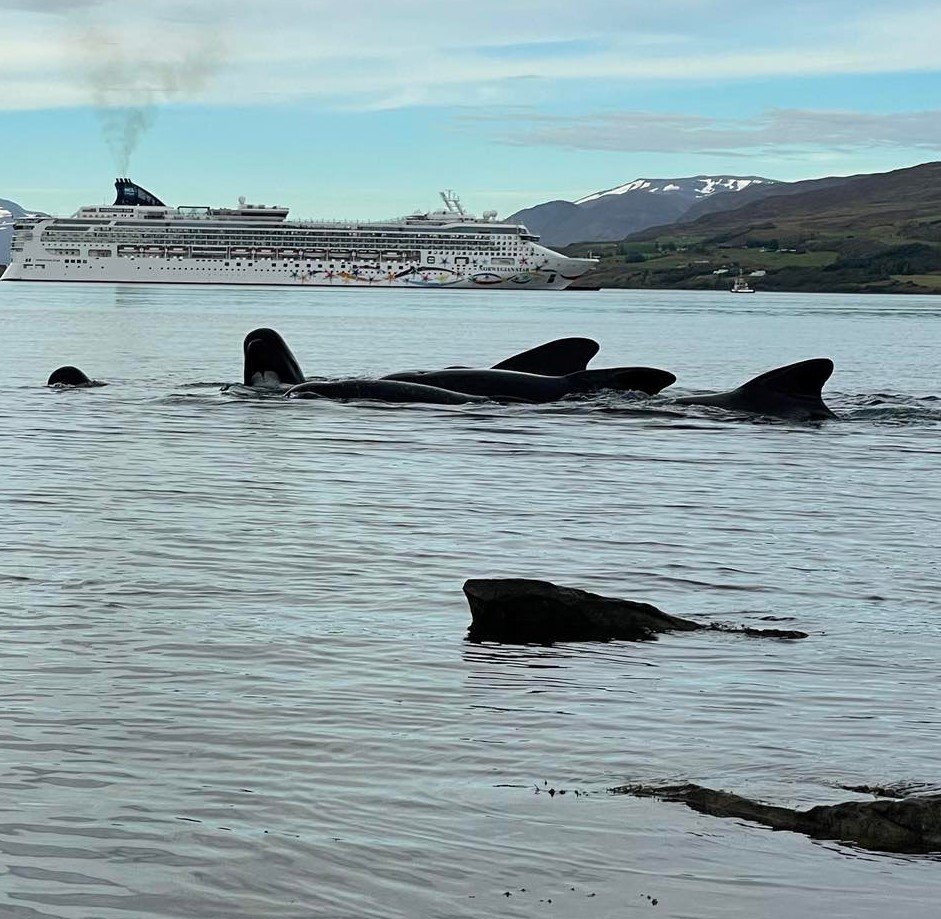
<point>617,212</point>
<point>6,235</point>
<point>10,212</point>
<point>697,186</point>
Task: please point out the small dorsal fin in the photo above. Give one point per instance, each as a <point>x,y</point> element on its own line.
<point>553,359</point>
<point>804,379</point>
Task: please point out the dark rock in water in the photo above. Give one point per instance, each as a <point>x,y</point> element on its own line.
<point>70,376</point>
<point>526,611</point>
<point>911,825</point>
<point>520,610</point>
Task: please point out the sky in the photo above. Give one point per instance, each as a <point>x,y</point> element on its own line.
<point>367,108</point>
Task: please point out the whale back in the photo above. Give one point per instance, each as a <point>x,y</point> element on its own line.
<point>553,359</point>
<point>504,385</point>
<point>379,391</point>
<point>68,376</point>
<point>647,380</point>
<point>512,385</point>
<point>269,361</point>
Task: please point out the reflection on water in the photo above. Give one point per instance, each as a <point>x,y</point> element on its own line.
<point>233,669</point>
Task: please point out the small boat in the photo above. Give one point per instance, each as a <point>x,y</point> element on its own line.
<point>740,286</point>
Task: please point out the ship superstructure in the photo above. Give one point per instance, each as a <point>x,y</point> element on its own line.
<point>139,239</point>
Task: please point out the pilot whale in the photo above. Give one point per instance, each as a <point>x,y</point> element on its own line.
<point>271,365</point>
<point>70,377</point>
<point>511,385</point>
<point>793,392</point>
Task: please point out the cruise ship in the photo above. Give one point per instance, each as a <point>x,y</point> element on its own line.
<point>140,240</point>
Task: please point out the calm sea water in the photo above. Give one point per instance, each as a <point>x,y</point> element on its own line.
<point>232,663</point>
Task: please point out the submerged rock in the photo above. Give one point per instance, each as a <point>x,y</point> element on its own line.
<point>910,825</point>
<point>524,611</point>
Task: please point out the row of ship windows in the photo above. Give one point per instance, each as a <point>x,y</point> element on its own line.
<point>392,266</point>
<point>383,242</point>
<point>149,239</point>
<point>397,263</point>
<point>213,243</point>
<point>462,239</point>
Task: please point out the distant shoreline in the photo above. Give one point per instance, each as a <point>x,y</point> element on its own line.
<point>847,265</point>
<point>871,289</point>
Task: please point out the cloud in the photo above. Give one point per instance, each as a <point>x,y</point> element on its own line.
<point>776,130</point>
<point>48,6</point>
<point>126,90</point>
<point>376,54</point>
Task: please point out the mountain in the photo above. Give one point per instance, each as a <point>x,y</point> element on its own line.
<point>10,212</point>
<point>875,232</point>
<point>833,206</point>
<point>13,208</point>
<point>617,212</point>
<point>6,231</point>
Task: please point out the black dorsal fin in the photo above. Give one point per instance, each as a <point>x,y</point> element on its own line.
<point>553,359</point>
<point>803,380</point>
<point>268,360</point>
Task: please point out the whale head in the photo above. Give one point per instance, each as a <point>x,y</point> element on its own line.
<point>269,361</point>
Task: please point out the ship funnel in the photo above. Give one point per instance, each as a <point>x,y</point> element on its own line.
<point>128,193</point>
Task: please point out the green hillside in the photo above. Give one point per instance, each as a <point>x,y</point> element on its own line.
<point>870,233</point>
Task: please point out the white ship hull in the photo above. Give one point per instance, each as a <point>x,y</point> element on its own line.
<point>157,271</point>
<point>139,240</point>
